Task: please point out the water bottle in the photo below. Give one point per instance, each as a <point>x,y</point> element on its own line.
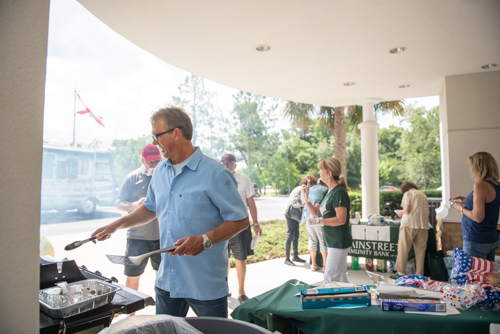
<point>354,263</point>
<point>392,266</point>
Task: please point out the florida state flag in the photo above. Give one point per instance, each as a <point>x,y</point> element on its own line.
<point>98,119</point>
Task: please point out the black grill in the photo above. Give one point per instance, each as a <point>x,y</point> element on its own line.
<point>125,301</point>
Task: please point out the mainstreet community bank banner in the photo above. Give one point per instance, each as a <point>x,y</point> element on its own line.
<point>376,242</point>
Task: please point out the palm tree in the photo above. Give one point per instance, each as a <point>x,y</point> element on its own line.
<point>301,114</point>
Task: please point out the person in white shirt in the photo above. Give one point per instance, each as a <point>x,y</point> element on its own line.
<point>240,244</point>
<point>414,227</point>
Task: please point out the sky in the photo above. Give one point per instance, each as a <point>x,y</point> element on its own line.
<point>116,80</point>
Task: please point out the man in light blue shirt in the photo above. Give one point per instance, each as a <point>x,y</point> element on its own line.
<point>199,208</point>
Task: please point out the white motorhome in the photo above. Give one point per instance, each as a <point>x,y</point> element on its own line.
<point>76,178</point>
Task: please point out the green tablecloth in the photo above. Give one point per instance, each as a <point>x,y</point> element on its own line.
<point>279,310</point>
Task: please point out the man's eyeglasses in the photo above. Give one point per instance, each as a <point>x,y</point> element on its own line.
<point>153,162</point>
<point>226,163</point>
<point>155,137</point>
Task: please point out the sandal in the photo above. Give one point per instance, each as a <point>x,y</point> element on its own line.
<point>242,299</point>
<point>314,268</point>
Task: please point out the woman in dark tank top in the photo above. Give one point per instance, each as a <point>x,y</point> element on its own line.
<point>481,208</point>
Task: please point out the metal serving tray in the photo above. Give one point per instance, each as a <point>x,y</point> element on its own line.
<point>104,293</point>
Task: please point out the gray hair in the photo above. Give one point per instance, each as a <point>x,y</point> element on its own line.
<point>175,117</point>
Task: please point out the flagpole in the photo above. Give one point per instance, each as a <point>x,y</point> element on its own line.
<point>74,119</point>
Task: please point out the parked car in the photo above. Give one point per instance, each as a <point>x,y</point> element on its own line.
<point>388,188</point>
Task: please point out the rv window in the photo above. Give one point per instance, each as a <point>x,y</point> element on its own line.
<point>73,168</point>
<point>48,166</point>
<point>83,166</point>
<point>62,170</point>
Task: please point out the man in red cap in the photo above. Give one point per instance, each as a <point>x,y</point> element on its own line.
<point>145,238</point>
<point>240,244</point>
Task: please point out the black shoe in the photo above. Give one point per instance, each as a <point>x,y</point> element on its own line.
<point>229,294</point>
<point>289,263</point>
<point>298,259</point>
<point>242,299</point>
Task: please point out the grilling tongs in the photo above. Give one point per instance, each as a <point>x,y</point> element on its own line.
<point>136,260</point>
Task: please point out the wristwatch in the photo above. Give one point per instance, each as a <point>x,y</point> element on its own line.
<point>207,244</point>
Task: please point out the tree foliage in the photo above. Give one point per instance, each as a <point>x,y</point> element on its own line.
<point>421,149</point>
<point>196,100</point>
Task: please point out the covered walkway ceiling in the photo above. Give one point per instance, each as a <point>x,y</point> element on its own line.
<point>316,46</point>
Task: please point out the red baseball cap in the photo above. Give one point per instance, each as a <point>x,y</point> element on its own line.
<point>150,152</point>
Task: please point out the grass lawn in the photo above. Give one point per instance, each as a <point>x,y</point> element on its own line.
<point>272,241</point>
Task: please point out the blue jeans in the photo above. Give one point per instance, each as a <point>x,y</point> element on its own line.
<point>483,251</point>
<point>292,237</point>
<point>178,307</point>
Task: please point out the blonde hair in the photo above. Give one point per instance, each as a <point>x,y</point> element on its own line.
<point>483,166</point>
<point>334,166</point>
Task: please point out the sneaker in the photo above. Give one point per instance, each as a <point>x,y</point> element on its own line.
<point>289,263</point>
<point>298,259</point>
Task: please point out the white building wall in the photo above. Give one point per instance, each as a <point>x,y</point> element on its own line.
<point>470,122</point>
<point>23,53</point>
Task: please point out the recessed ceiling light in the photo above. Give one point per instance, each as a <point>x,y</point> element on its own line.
<point>399,49</point>
<point>488,66</point>
<point>404,86</point>
<point>263,48</point>
<point>349,83</point>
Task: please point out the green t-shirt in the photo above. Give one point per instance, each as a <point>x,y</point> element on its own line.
<point>336,236</point>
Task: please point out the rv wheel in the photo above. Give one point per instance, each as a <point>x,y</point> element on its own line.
<point>88,207</point>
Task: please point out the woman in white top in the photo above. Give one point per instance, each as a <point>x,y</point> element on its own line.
<point>414,227</point>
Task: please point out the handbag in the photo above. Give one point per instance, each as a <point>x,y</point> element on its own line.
<point>294,213</point>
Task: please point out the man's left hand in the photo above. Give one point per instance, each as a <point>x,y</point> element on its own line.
<point>191,246</point>
<point>257,230</point>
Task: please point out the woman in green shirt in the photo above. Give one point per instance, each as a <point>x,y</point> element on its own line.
<point>334,208</point>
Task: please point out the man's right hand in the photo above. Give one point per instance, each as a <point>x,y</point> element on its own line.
<point>104,233</point>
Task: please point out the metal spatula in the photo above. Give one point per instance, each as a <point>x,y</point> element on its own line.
<point>136,260</point>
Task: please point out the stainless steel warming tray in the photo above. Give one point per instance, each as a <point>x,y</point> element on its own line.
<point>98,293</point>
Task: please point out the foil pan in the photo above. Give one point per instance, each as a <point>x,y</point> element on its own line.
<point>88,295</point>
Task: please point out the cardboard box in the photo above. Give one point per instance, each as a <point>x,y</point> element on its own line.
<point>335,299</point>
<point>330,291</point>
<point>414,305</point>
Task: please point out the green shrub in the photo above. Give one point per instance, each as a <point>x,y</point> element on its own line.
<point>389,200</point>
<point>355,197</point>
<point>431,192</point>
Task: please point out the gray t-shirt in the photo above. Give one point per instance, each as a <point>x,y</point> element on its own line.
<point>134,188</point>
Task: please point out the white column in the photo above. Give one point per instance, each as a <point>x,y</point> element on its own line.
<point>369,160</point>
<point>470,123</point>
<point>24,26</point>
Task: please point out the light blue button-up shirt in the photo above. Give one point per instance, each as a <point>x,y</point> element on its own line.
<point>198,199</point>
